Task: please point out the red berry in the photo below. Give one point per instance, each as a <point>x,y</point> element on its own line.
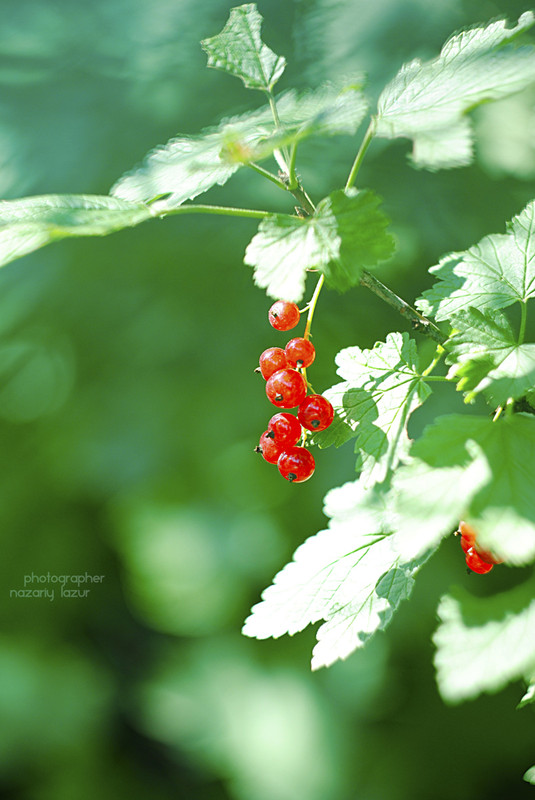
<point>315,413</point>
<point>300,352</point>
<point>283,315</point>
<point>286,388</point>
<point>271,360</point>
<point>270,449</point>
<point>285,429</point>
<point>468,540</point>
<point>296,464</point>
<point>475,562</point>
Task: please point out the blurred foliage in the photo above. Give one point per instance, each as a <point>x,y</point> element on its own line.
<point>129,411</point>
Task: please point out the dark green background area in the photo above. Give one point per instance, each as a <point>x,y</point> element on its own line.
<point>129,411</point>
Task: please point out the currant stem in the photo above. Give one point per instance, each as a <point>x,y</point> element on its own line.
<point>227,211</point>
<point>418,321</point>
<point>523,320</point>
<point>269,175</point>
<point>368,136</point>
<point>438,355</point>
<point>293,183</point>
<point>281,158</point>
<point>312,306</point>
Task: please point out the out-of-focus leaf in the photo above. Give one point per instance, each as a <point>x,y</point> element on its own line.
<point>468,467</point>
<point>482,644</point>
<point>426,101</point>
<point>32,222</point>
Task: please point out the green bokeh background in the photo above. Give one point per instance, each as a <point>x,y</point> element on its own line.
<point>129,411</point>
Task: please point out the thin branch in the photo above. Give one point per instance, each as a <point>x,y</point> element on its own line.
<point>368,136</point>
<point>227,211</point>
<point>269,175</point>
<point>418,321</point>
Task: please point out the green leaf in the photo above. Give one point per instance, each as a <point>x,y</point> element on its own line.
<point>187,166</point>
<point>286,247</point>
<point>326,111</point>
<point>426,102</point>
<point>493,274</point>
<point>346,233</point>
<point>349,575</point>
<point>32,222</point>
<point>528,696</point>
<point>239,50</point>
<point>468,467</point>
<point>364,240</point>
<point>529,775</point>
<point>486,357</point>
<point>382,388</point>
<point>484,643</point>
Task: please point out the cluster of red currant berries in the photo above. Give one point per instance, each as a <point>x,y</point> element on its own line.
<point>478,560</point>
<point>286,387</point>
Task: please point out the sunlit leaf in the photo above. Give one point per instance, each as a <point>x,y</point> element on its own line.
<point>493,274</point>
<point>346,233</point>
<point>486,357</point>
<point>348,575</point>
<point>286,247</point>
<point>426,101</point>
<point>484,643</point>
<point>382,387</point>
<point>364,240</point>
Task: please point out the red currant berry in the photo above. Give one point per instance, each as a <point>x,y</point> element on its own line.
<point>468,540</point>
<point>271,360</point>
<point>474,561</point>
<point>286,388</point>
<point>468,534</point>
<point>296,464</point>
<point>283,315</point>
<point>285,429</point>
<point>270,449</point>
<point>300,353</point>
<point>315,413</point>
